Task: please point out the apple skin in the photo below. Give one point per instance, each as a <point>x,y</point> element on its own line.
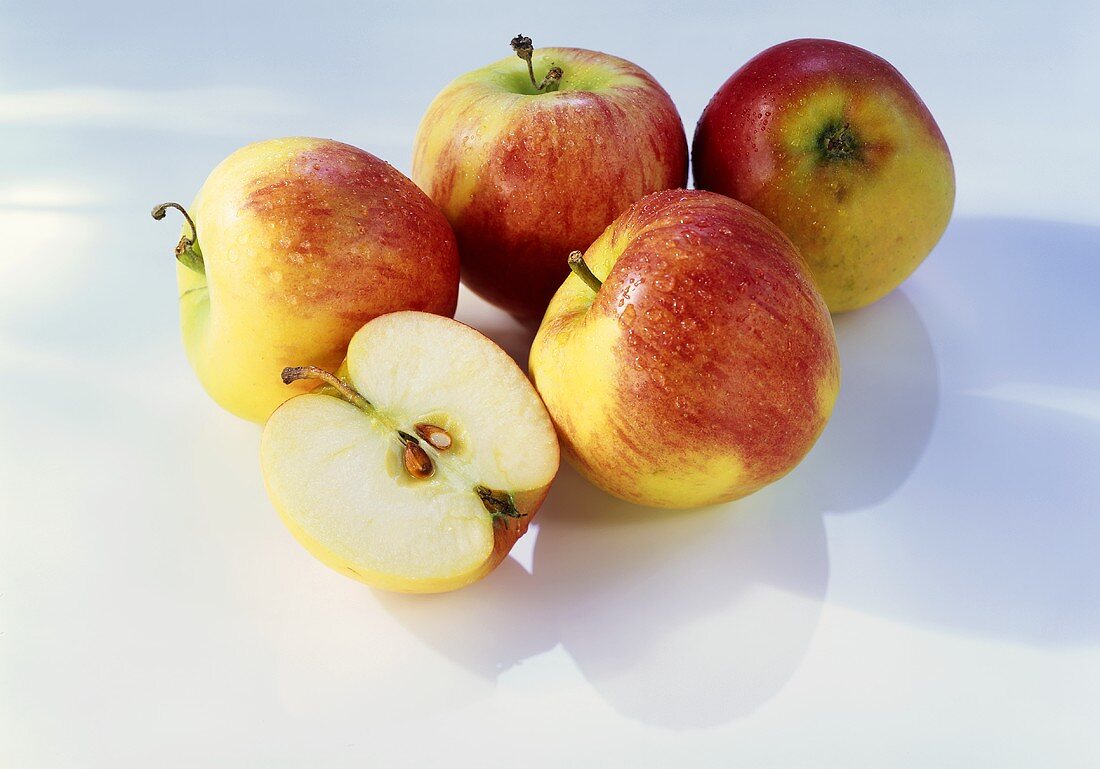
<point>303,241</point>
<point>527,177</point>
<point>864,221</point>
<point>706,365</point>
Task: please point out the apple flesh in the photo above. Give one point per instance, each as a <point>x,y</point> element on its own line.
<point>300,242</point>
<point>702,368</point>
<point>526,175</point>
<point>420,469</point>
<point>831,143</point>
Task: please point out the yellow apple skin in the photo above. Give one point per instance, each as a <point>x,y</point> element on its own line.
<point>506,531</point>
<point>864,215</point>
<point>303,240</point>
<point>706,365</point>
<point>526,177</point>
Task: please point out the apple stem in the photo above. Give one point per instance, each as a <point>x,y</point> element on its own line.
<point>187,250</point>
<point>524,49</point>
<point>581,269</point>
<point>346,391</point>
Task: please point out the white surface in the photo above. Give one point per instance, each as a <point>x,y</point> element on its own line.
<point>922,592</point>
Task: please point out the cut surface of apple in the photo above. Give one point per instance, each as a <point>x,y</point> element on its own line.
<point>419,469</point>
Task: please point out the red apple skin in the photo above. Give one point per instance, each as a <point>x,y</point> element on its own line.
<point>527,178</point>
<point>704,368</point>
<point>863,222</point>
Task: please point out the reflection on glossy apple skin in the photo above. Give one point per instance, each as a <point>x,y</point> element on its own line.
<point>526,178</point>
<point>703,369</point>
<point>304,240</point>
<point>865,213</point>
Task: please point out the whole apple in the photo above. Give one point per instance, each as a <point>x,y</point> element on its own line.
<point>290,246</point>
<point>527,171</point>
<point>692,361</point>
<point>831,143</point>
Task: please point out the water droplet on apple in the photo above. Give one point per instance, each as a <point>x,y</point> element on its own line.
<point>276,276</point>
<point>626,318</point>
<point>664,282</point>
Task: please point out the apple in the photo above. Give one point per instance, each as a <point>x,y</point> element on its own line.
<point>419,469</point>
<point>689,360</point>
<point>831,143</point>
<point>527,170</point>
<point>290,246</point>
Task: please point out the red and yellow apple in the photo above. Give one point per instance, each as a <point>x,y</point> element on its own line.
<point>291,245</point>
<point>526,175</point>
<point>832,144</point>
<point>694,362</point>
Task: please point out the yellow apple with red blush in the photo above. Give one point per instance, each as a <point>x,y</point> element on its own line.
<point>831,143</point>
<point>289,248</point>
<point>689,360</point>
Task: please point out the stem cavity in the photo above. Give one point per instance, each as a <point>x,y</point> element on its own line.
<point>524,49</point>
<point>187,250</point>
<point>581,269</point>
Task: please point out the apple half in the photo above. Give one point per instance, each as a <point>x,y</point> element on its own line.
<point>419,467</point>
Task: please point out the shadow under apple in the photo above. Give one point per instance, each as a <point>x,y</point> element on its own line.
<point>883,417</point>
<point>673,616</point>
<point>689,619</point>
<point>996,533</point>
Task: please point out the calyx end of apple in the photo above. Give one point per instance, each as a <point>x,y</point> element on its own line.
<point>837,143</point>
<point>498,503</point>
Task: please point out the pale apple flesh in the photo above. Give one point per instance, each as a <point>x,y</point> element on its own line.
<point>705,365</point>
<point>302,241</point>
<point>338,474</point>
<point>525,176</point>
<point>832,144</point>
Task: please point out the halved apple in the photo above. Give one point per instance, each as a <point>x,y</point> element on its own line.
<point>419,468</point>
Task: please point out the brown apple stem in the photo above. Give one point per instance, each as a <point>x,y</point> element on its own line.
<point>581,269</point>
<point>524,49</point>
<point>187,250</point>
<point>346,391</point>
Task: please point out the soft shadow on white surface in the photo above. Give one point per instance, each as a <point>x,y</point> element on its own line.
<point>997,534</point>
<point>883,417</point>
<point>689,619</point>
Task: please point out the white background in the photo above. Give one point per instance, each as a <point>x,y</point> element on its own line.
<point>924,591</point>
